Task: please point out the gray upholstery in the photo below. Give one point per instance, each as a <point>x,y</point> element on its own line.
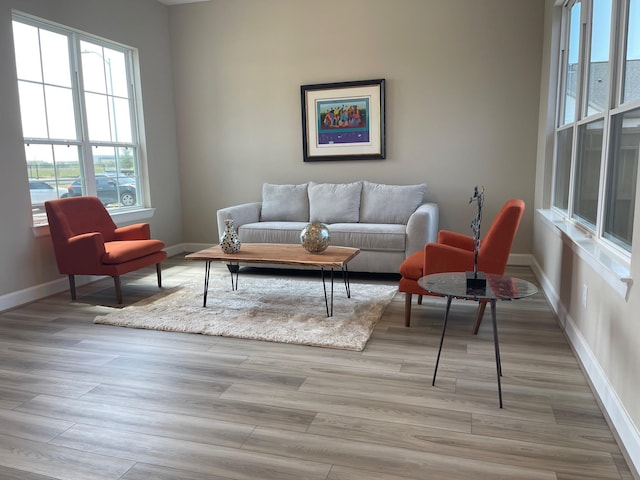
<point>390,203</point>
<point>288,203</point>
<point>334,202</point>
<point>271,232</point>
<point>383,245</point>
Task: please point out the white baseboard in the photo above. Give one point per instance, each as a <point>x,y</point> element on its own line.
<point>621,423</point>
<point>31,294</point>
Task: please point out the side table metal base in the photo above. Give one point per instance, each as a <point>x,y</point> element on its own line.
<point>495,343</point>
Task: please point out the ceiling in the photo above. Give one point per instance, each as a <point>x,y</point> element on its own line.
<point>178,2</point>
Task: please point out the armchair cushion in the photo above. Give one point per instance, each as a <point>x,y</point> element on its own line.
<point>127,250</point>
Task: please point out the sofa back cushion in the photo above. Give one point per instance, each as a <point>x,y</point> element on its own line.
<point>334,202</point>
<point>284,203</point>
<point>390,203</point>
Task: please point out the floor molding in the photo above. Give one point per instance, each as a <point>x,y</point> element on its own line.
<point>621,423</point>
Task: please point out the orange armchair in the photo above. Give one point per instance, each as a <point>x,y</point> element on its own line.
<point>86,241</point>
<point>454,252</point>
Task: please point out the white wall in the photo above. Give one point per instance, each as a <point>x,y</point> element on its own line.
<point>604,334</point>
<point>27,261</point>
<point>462,98</point>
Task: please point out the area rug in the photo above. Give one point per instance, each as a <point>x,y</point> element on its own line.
<point>264,308</point>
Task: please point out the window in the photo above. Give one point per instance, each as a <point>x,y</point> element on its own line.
<point>598,130</point>
<point>79,119</point>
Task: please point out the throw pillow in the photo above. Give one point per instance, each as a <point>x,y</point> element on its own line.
<point>284,203</point>
<point>390,203</point>
<point>334,202</point>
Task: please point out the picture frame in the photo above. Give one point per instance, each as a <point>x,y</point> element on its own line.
<point>343,121</point>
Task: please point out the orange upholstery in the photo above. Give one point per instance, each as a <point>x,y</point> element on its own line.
<point>86,241</point>
<point>453,252</point>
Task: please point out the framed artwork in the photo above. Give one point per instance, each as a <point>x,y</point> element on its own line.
<point>343,121</point>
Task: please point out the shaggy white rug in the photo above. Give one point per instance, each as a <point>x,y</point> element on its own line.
<point>264,308</point>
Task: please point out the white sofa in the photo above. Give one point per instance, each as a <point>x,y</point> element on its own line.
<point>386,222</point>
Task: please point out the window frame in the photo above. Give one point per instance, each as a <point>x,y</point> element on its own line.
<point>83,142</point>
<point>582,118</point>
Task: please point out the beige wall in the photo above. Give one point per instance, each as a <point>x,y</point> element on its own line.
<point>462,98</point>
<point>604,334</point>
<point>28,261</point>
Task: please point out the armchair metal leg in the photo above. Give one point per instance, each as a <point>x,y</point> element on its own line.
<point>479,315</point>
<point>419,299</point>
<point>159,273</point>
<point>407,309</point>
<point>116,281</point>
<point>72,286</point>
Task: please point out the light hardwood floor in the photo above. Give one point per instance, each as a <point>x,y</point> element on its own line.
<point>84,401</point>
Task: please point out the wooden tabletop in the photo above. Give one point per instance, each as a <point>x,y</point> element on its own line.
<point>280,254</point>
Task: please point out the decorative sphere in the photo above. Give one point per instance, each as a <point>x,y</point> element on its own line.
<point>315,237</point>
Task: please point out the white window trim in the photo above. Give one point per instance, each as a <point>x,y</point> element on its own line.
<point>123,215</point>
<point>614,269</point>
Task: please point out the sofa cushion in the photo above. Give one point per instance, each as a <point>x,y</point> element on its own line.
<point>334,202</point>
<point>369,236</point>
<point>390,203</point>
<point>284,203</point>
<point>271,232</point>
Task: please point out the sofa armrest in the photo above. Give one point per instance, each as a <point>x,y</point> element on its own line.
<point>422,227</point>
<point>240,214</point>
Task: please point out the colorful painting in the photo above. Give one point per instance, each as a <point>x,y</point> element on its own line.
<point>340,122</point>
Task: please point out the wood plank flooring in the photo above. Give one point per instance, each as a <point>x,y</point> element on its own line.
<point>84,401</point>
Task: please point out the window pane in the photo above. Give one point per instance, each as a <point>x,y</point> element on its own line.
<point>34,120</point>
<point>98,117</point>
<point>93,68</point>
<point>632,55</point>
<point>622,173</point>
<point>571,66</point>
<point>121,120</point>
<point>563,169</point>
<point>57,166</point>
<point>115,184</point>
<point>27,49</point>
<point>106,93</point>
<point>598,82</point>
<point>55,58</point>
<point>587,181</point>
<point>60,113</point>
<point>116,73</point>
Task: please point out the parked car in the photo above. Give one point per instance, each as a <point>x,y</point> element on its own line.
<point>41,192</point>
<point>109,190</point>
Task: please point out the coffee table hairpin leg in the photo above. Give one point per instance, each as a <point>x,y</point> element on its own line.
<point>207,270</point>
<point>347,286</point>
<point>234,268</point>
<point>324,286</point>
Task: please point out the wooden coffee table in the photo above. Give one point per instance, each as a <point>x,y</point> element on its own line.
<point>279,254</point>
